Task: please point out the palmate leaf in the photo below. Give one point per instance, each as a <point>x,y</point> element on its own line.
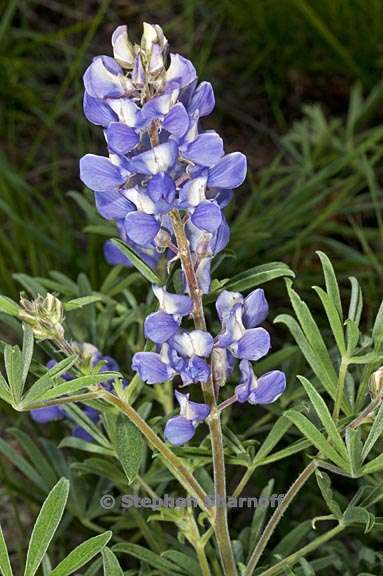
<point>46,525</point>
<point>45,382</point>
<point>327,380</point>
<point>82,555</point>
<point>311,330</point>
<point>137,262</point>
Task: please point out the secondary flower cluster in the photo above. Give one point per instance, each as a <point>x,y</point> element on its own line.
<point>184,353</point>
<point>158,157</point>
<point>89,354</point>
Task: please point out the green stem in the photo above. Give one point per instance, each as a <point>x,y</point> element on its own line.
<point>277,516</point>
<point>340,388</point>
<point>175,464</point>
<point>293,558</point>
<point>194,537</point>
<point>221,528</point>
<point>202,559</point>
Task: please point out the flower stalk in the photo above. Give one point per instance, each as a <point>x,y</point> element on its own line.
<point>221,527</point>
<point>175,464</point>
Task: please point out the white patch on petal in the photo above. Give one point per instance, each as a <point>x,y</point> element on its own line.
<point>141,200</point>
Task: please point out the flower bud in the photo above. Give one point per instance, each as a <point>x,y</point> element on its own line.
<point>153,50</point>
<point>162,240</point>
<point>375,384</point>
<point>219,366</point>
<point>44,315</point>
<point>122,48</point>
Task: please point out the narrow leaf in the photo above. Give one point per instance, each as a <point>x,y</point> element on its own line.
<point>149,557</point>
<point>82,554</point>
<point>333,318</point>
<point>27,352</point>
<point>129,447</point>
<point>75,385</point>
<point>14,369</point>
<point>46,525</point>
<point>9,307</point>
<point>141,266</point>
<point>354,449</point>
<point>110,563</point>
<point>315,437</point>
<point>5,566</point>
<point>80,302</point>
<point>375,433</point>
<point>331,282</point>
<point>259,275</point>
<point>324,484</point>
<point>324,416</point>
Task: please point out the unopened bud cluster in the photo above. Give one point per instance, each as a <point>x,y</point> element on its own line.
<point>45,315</point>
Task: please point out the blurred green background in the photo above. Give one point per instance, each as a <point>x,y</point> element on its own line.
<point>298,89</point>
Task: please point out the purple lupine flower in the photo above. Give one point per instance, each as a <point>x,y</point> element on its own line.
<point>180,429</point>
<point>160,161</point>
<point>164,324</point>
<point>133,96</point>
<point>263,390</point>
<point>184,354</point>
<point>240,319</point>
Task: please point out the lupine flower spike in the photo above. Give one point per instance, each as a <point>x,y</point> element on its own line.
<point>159,162</point>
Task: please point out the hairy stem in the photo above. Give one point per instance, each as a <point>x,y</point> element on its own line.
<point>221,528</point>
<point>296,556</point>
<point>188,268</point>
<point>175,464</point>
<point>277,516</point>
